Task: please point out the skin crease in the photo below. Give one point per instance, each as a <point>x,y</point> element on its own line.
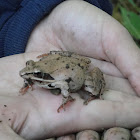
<point>72,27</point>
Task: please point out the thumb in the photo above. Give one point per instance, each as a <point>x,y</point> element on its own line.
<point>123,52</point>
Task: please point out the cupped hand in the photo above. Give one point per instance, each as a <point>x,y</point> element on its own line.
<point>82,28</point>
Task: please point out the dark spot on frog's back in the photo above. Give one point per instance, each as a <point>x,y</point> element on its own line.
<point>47,76</point>
<point>68,80</point>
<point>67,66</point>
<point>80,66</point>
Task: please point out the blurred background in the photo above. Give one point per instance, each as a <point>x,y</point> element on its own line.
<point>127,12</point>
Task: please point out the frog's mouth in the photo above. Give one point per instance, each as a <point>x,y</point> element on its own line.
<point>27,76</point>
<point>42,80</point>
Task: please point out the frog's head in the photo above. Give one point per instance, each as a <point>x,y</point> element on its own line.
<point>29,70</point>
<point>32,71</point>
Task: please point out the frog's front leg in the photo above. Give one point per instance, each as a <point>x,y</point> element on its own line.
<point>63,86</point>
<point>62,53</point>
<point>27,84</point>
<point>94,84</point>
<point>42,55</point>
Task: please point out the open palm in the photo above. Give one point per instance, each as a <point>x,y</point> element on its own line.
<point>82,28</point>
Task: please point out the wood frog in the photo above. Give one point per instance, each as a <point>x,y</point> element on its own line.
<point>66,72</point>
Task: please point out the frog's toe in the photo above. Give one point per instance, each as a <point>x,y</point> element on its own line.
<point>24,90</point>
<point>65,103</point>
<point>61,107</point>
<point>89,99</point>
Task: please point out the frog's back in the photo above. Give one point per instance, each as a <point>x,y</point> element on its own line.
<point>51,64</point>
<point>55,55</point>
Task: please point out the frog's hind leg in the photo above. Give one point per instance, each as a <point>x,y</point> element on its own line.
<point>94,83</point>
<point>88,86</point>
<point>98,81</point>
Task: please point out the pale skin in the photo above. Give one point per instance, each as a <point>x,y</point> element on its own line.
<point>80,27</point>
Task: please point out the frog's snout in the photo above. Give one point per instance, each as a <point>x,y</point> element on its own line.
<point>21,73</point>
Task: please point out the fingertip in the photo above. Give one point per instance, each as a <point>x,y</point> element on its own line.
<point>137,89</point>
<point>134,79</point>
<point>87,135</point>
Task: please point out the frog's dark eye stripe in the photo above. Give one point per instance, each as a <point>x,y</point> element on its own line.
<point>43,75</point>
<point>68,80</point>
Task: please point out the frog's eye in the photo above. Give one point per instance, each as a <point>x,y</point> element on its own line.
<point>47,76</point>
<point>38,74</point>
<point>30,63</point>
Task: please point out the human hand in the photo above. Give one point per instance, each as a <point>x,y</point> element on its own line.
<point>94,34</point>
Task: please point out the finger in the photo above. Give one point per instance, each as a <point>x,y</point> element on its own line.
<point>123,52</point>
<point>88,135</point>
<point>110,117</point>
<point>136,133</point>
<point>67,137</point>
<point>112,95</point>
<point>106,67</point>
<point>113,78</point>
<point>117,133</point>
<point>119,84</point>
